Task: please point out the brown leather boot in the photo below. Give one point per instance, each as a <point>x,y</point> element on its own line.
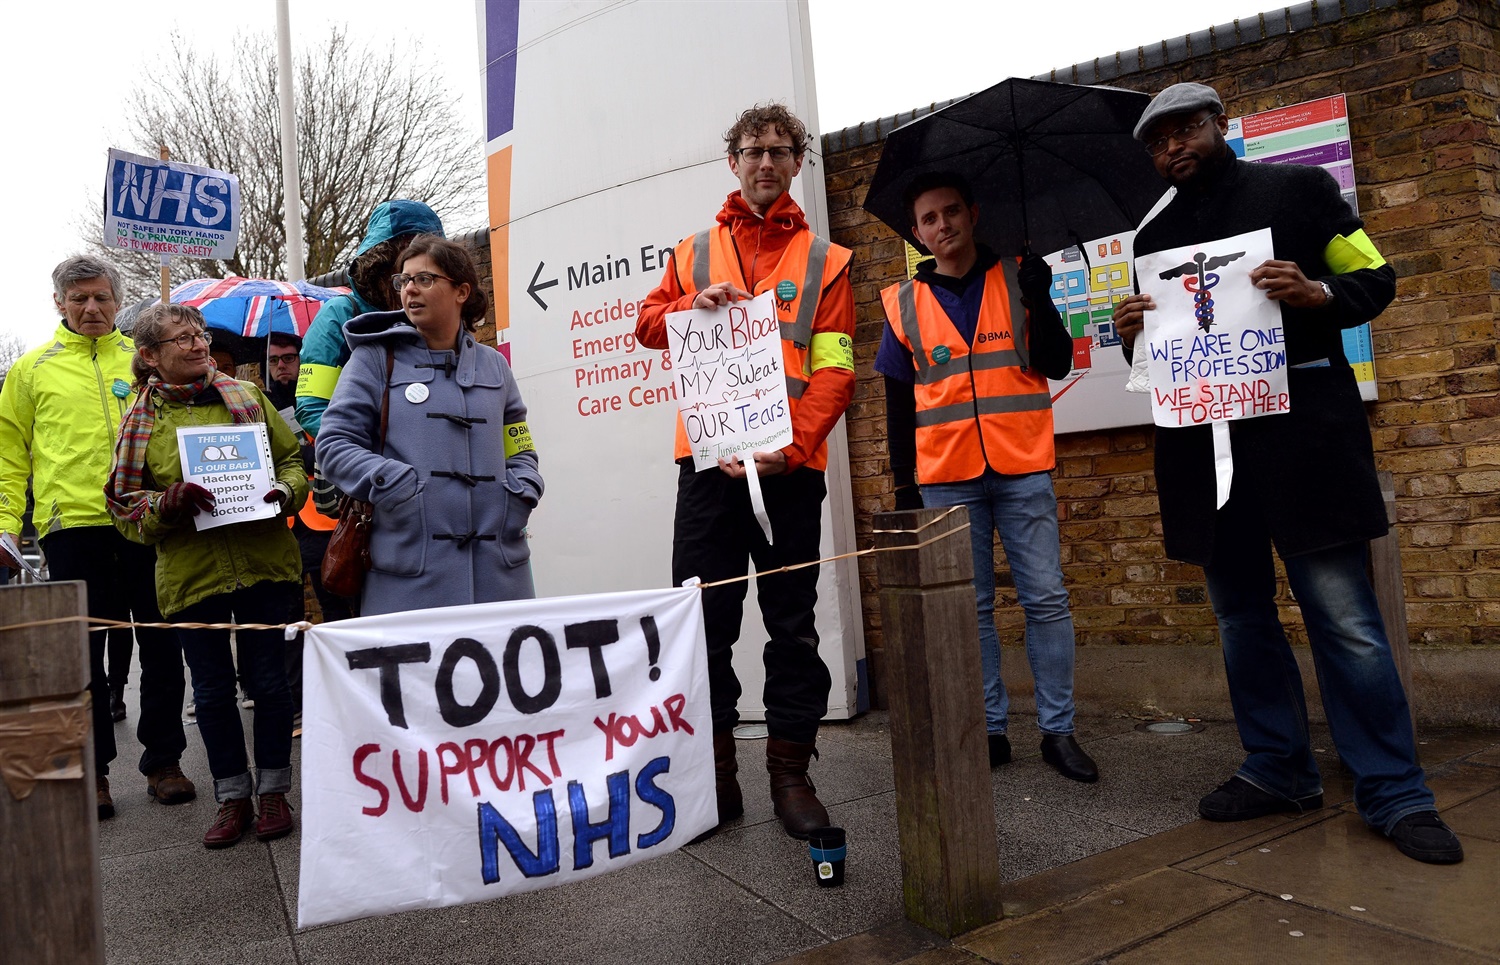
<point>726,786</point>
<point>729,801</point>
<point>231,823</point>
<point>792,793</point>
<point>103,799</point>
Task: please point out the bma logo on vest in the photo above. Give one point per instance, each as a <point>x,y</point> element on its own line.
<point>983,337</point>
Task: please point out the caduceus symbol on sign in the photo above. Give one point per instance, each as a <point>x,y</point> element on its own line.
<point>1200,279</point>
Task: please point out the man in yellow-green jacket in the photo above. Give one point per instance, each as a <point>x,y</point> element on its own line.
<point>60,411</point>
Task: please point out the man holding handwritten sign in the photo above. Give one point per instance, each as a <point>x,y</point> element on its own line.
<point>1304,481</point>
<point>969,344</point>
<point>761,245</point>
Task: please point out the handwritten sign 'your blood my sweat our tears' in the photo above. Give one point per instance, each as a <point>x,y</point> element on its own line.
<point>731,384</point>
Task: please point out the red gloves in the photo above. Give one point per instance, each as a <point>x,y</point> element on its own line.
<point>184,499</point>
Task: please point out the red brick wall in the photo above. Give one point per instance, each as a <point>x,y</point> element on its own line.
<point>1422,82</point>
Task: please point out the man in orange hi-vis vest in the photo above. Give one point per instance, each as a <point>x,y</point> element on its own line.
<point>968,347</point>
<point>761,242</point>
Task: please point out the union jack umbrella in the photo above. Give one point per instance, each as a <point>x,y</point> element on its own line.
<point>254,307</point>
<point>243,311</point>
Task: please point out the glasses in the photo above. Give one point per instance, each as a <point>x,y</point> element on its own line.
<point>424,279</point>
<point>184,342</point>
<point>1159,146</point>
<point>754,155</point>
<point>289,357</point>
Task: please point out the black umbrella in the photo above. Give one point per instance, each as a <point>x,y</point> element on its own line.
<point>1051,165</point>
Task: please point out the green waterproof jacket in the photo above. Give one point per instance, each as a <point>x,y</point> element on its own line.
<point>192,565</point>
<point>59,413</point>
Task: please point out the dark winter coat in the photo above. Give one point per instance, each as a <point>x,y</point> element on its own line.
<point>1310,474</point>
<point>450,507</point>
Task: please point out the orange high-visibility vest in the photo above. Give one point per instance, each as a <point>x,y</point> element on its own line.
<point>808,262</point>
<point>978,405</point>
<point>309,514</point>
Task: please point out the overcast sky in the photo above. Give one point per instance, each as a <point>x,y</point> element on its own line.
<point>73,64</point>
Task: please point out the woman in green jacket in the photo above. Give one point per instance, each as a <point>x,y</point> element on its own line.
<point>246,572</point>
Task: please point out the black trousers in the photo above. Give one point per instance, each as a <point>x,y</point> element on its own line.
<point>716,537</point>
<point>312,544</point>
<point>121,579</point>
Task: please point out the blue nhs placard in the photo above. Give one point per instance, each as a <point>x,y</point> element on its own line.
<point>170,208</point>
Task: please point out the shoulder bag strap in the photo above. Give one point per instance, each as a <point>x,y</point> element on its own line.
<point>385,398</point>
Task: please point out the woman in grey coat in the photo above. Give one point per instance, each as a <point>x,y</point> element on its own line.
<point>457,478</point>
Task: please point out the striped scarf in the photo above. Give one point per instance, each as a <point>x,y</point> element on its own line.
<point>123,491</point>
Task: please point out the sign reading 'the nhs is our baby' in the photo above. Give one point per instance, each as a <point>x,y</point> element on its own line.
<point>169,208</point>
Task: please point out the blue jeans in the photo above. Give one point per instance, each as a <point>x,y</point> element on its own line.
<point>1024,511</point>
<point>262,666</point>
<point>1362,694</point>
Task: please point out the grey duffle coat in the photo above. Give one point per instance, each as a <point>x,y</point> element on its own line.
<point>451,506</point>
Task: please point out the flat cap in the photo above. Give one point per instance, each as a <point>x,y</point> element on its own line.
<point>1178,99</point>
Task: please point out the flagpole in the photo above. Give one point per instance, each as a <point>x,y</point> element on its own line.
<point>291,184</point>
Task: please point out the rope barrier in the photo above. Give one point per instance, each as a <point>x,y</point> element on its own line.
<point>857,553</point>
<point>99,623</point>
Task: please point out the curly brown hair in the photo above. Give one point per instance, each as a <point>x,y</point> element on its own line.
<point>455,262</point>
<point>762,118</point>
<point>371,272</point>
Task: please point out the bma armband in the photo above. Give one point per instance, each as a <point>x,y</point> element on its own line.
<point>317,381</point>
<point>831,350</point>
<point>517,439</point>
<point>1356,251</point>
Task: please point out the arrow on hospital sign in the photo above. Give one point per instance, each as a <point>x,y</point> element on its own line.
<point>535,287</point>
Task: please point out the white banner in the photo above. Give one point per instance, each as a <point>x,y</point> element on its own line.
<point>731,384</point>
<point>1217,350</point>
<point>170,208</point>
<point>464,753</point>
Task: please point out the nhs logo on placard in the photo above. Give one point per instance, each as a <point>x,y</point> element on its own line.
<point>170,194</point>
<point>169,208</point>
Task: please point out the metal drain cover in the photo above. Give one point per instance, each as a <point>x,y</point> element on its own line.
<point>750,732</point>
<point>1169,728</point>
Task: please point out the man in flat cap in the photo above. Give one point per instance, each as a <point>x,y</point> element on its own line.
<point>1304,482</point>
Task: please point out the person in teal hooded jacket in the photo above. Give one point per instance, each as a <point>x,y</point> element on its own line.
<point>392,226</point>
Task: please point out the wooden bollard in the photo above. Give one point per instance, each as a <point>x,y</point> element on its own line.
<point>945,806</point>
<point>53,909</point>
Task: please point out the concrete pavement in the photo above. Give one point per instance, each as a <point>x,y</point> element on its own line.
<point>1122,867</point>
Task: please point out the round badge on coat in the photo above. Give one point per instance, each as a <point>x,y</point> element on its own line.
<point>119,388</point>
<point>416,393</point>
<point>786,290</point>
<point>941,354</point>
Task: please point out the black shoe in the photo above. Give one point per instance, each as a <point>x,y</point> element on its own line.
<point>1068,759</point>
<point>116,705</point>
<point>1239,800</point>
<point>1425,837</point>
<point>999,750</point>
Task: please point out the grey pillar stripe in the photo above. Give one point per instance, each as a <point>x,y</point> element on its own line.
<point>812,290</point>
<point>966,411</point>
<point>795,387</point>
<point>700,261</point>
<point>1017,310</point>
<point>906,305</point>
<point>982,361</point>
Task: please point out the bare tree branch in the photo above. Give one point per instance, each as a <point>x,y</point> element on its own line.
<point>372,125</point>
